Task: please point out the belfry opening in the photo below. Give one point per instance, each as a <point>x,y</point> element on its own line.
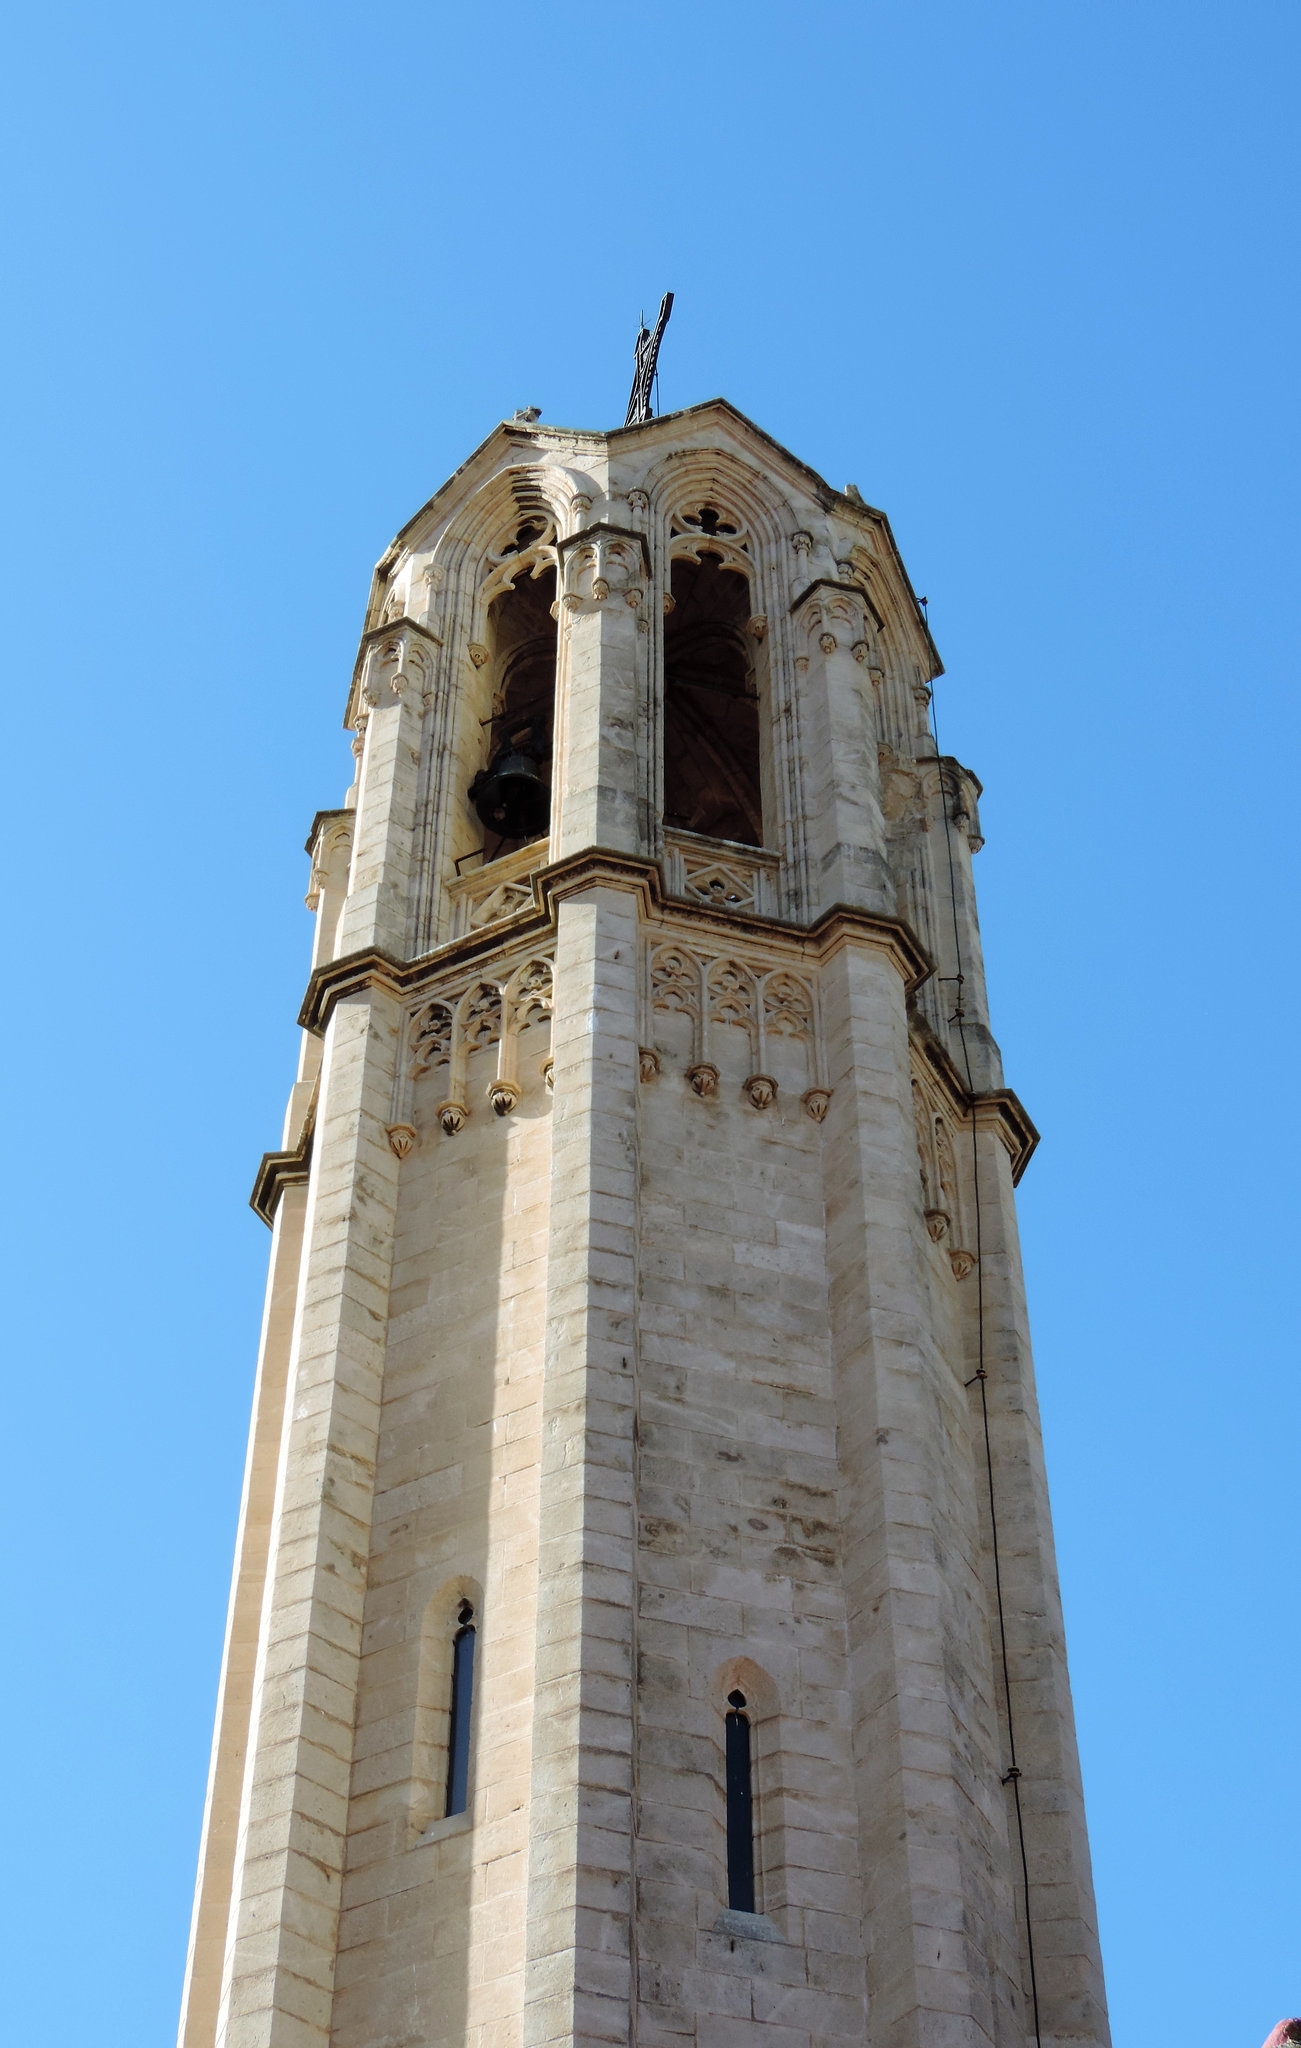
<point>512,793</point>
<point>712,776</point>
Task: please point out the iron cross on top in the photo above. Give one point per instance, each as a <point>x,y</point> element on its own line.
<point>643,376</point>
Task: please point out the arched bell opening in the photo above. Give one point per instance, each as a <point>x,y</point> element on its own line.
<point>511,794</point>
<point>712,756</point>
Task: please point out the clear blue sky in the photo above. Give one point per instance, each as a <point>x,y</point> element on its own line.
<point>1024,273</point>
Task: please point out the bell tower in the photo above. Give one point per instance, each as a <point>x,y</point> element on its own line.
<point>644,1625</point>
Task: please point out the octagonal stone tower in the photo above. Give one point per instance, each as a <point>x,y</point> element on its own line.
<point>622,1648</point>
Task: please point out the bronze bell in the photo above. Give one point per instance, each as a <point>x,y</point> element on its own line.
<point>510,795</point>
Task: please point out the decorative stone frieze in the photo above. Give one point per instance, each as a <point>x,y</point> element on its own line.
<point>725,877</point>
<point>447,1028</point>
<point>715,995</point>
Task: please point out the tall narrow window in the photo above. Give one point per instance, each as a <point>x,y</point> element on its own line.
<point>740,1807</point>
<point>458,1734</point>
<point>711,707</point>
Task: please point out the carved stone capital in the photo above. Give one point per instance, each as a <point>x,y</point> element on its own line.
<point>648,1062</point>
<point>703,1078</point>
<point>817,1101</point>
<point>962,1263</point>
<point>452,1116</point>
<point>937,1224</point>
<point>757,627</point>
<point>401,1138</point>
<point>602,561</point>
<point>761,1090</point>
<point>477,652</point>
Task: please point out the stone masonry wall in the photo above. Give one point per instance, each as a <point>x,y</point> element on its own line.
<point>739,1568</point>
<point>431,1943</point>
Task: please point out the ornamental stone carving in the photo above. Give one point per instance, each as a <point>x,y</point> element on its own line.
<point>717,1008</point>
<point>943,1198</point>
<point>451,1032</point>
<point>600,563</point>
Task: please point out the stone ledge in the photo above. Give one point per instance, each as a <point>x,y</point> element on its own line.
<point>998,1109</point>
<point>281,1170</point>
<point>597,867</point>
<point>746,1926</point>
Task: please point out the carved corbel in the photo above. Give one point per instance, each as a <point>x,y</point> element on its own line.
<point>703,1078</point>
<point>757,627</point>
<point>401,1138</point>
<point>760,1090</point>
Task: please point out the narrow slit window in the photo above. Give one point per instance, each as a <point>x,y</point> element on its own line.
<point>458,1734</point>
<point>740,1807</point>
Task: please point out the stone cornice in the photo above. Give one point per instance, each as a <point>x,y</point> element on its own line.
<point>319,822</point>
<point>844,924</point>
<point>1002,1111</point>
<point>996,1109</point>
<point>281,1170</point>
<point>603,867</point>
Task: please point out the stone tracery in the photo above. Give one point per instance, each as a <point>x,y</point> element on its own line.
<point>721,992</point>
<point>445,1032</point>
